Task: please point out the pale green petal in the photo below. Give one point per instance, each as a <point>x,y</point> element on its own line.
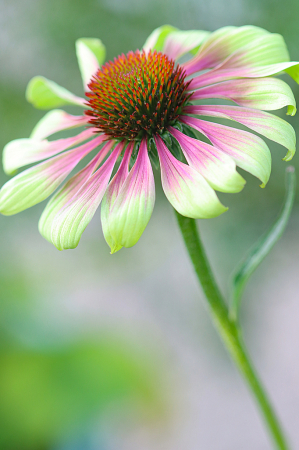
<point>110,196</point>
<point>21,152</point>
<point>133,207</point>
<point>35,184</point>
<point>268,49</point>
<point>173,42</point>
<point>259,93</point>
<point>185,188</point>
<point>70,222</point>
<point>156,39</point>
<point>23,191</point>
<point>114,246</point>
<point>45,94</point>
<point>107,202</point>
<point>59,200</point>
<point>192,196</point>
<point>91,55</point>
<point>221,44</point>
<point>54,121</point>
<point>67,192</point>
<point>230,38</point>
<point>249,152</point>
<point>131,218</point>
<point>179,42</point>
<point>270,126</point>
<point>218,168</point>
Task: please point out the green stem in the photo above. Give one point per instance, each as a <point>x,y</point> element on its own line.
<point>263,246</point>
<point>228,329</point>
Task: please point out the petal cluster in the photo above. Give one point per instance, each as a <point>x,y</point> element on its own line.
<point>148,109</point>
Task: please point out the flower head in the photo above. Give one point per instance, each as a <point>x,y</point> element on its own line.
<point>141,110</point>
<point>138,95</point>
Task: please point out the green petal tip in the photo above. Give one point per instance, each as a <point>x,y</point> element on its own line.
<point>288,156</point>
<point>115,249</point>
<point>291,110</point>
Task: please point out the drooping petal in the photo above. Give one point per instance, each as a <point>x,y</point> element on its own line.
<point>222,74</point>
<point>249,151</point>
<point>133,206</point>
<point>45,94</point>
<point>20,152</point>
<point>185,188</point>
<point>73,218</point>
<point>268,125</point>
<point>263,93</point>
<point>215,166</point>
<point>269,48</point>
<point>177,43</point>
<point>156,39</point>
<point>67,192</point>
<point>263,57</point>
<point>91,55</point>
<point>174,42</point>
<point>110,195</point>
<point>36,184</point>
<point>292,68</point>
<point>54,121</point>
<point>221,44</point>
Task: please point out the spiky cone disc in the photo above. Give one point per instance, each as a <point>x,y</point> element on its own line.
<point>137,94</point>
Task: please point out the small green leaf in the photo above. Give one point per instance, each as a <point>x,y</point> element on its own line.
<point>263,246</point>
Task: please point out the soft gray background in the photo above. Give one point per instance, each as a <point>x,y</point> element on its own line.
<point>146,296</point>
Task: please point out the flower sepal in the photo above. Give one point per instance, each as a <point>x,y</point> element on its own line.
<point>152,153</point>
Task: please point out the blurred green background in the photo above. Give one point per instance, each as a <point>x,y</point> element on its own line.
<point>101,352</point>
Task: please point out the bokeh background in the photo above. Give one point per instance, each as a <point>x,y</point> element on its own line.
<point>101,352</point>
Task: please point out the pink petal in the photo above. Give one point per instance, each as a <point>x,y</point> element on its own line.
<point>265,48</point>
<point>22,152</point>
<point>186,189</point>
<point>38,182</point>
<point>74,217</point>
<point>132,209</point>
<point>221,44</point>
<point>222,74</point>
<point>177,43</point>
<point>54,121</point>
<point>121,175</point>
<point>111,194</point>
<point>249,151</point>
<point>215,166</point>
<point>62,144</point>
<point>268,125</point>
<point>69,190</point>
<point>263,93</point>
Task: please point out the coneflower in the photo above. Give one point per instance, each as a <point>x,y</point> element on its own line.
<point>139,112</point>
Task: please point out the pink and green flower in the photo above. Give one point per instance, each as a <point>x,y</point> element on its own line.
<point>141,110</point>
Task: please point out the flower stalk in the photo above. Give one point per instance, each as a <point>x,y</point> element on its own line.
<point>229,331</point>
